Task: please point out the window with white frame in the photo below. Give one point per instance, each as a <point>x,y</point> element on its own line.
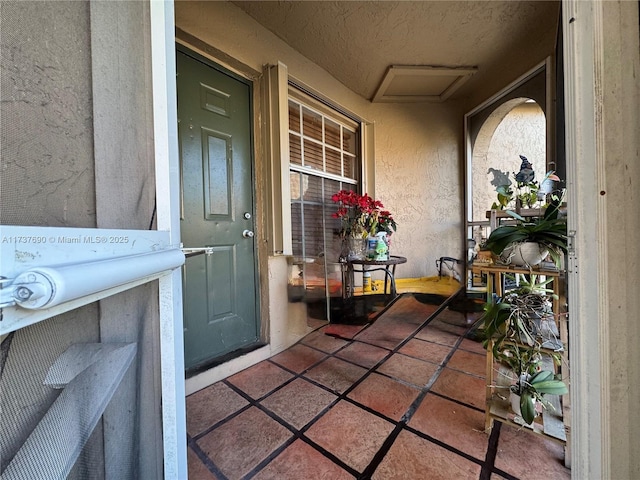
<point>324,147</point>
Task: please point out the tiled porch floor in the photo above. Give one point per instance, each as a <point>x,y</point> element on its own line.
<point>401,400</point>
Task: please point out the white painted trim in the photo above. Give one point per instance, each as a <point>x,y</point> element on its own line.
<point>588,333</point>
<point>165,119</point>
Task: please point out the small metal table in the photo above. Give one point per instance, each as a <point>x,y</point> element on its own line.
<point>387,266</point>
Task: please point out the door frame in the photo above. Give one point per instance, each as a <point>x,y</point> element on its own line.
<point>257,225</point>
<point>218,60</point>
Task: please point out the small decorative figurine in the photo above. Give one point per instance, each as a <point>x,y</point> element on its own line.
<point>526,173</point>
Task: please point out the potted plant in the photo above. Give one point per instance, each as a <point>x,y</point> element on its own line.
<point>360,217</point>
<point>521,330</point>
<point>548,234</point>
<point>532,382</point>
<point>524,315</point>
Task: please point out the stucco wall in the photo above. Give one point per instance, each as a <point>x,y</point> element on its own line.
<point>521,132</point>
<point>418,164</point>
<point>417,147</point>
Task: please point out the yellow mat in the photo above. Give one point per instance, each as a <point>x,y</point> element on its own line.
<point>445,286</point>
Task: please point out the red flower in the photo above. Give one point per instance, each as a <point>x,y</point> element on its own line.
<point>361,215</point>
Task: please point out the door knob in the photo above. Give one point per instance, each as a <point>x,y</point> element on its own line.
<point>247,234</point>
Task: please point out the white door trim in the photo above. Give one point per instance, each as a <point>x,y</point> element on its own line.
<point>165,120</point>
<point>587,282</point>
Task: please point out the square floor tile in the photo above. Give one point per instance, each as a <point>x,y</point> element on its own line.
<point>363,354</point>
<point>350,433</point>
<point>336,374</point>
<point>412,308</point>
<point>451,423</point>
<point>386,335</point>
<point>431,352</point>
<point>412,457</point>
<point>468,362</point>
<point>260,379</point>
<point>384,395</point>
<point>210,405</point>
<point>324,342</point>
<point>452,321</point>
<point>472,346</point>
<point>460,386</point>
<point>434,334</point>
<point>239,445</point>
<point>300,461</point>
<point>298,402</point>
<point>346,332</point>
<point>298,358</point>
<point>196,469</point>
<point>514,441</point>
<point>412,370</point>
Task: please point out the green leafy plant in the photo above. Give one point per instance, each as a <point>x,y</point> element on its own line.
<point>525,194</point>
<point>533,388</point>
<point>549,231</point>
<point>517,329</point>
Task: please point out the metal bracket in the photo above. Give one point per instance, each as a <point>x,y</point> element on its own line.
<point>192,251</point>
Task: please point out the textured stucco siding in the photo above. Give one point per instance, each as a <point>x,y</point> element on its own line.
<point>521,132</point>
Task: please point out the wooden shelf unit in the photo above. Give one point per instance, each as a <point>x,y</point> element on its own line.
<point>554,424</point>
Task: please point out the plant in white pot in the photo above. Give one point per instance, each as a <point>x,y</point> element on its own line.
<point>548,232</point>
<point>532,382</point>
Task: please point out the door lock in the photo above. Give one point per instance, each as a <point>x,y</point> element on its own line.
<point>247,234</point>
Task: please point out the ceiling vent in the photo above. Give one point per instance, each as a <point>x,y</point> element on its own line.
<point>421,83</point>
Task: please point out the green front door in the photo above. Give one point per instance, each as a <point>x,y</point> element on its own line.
<point>220,291</point>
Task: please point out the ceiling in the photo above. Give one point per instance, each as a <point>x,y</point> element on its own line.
<point>438,49</point>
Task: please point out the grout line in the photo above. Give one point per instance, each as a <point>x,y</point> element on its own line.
<point>446,446</point>
<point>492,450</point>
<point>208,463</point>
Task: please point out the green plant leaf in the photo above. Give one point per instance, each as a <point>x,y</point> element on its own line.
<point>527,407</point>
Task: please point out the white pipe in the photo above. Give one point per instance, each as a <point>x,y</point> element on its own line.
<point>51,286</point>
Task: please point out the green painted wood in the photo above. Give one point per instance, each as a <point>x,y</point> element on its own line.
<point>220,290</point>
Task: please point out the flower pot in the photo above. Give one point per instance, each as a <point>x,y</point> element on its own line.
<point>356,248</point>
<point>525,254</point>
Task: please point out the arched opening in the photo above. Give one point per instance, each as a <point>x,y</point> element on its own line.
<point>516,127</point>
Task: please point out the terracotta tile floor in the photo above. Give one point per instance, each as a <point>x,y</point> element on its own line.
<point>403,399</point>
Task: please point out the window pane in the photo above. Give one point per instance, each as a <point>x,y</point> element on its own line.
<point>312,124</point>
<point>295,150</point>
<point>331,187</point>
<point>313,230</point>
<point>349,166</point>
<point>334,165</point>
<point>313,155</point>
<point>331,133</point>
<point>312,191</point>
<point>294,117</point>
<point>349,141</point>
